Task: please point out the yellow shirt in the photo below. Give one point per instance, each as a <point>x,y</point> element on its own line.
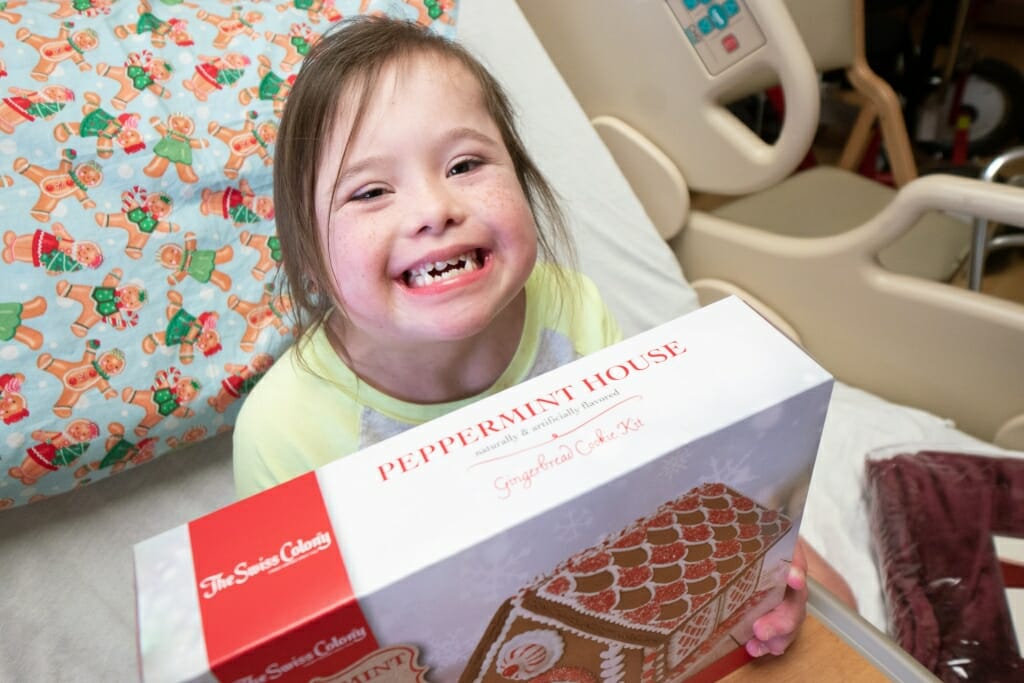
<point>297,418</point>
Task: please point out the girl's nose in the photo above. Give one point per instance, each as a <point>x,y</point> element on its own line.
<point>438,207</point>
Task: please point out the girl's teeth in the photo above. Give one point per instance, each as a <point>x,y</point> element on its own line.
<point>442,270</point>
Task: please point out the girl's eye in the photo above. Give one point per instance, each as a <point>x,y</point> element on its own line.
<point>464,166</point>
<point>372,193</point>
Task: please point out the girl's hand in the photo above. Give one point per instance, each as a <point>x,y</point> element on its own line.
<point>774,631</point>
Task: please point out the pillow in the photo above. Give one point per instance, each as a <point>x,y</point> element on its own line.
<point>137,299</point>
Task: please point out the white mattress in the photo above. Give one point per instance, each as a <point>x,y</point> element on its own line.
<point>66,569</point>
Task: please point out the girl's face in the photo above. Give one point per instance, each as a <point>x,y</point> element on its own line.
<point>429,235</point>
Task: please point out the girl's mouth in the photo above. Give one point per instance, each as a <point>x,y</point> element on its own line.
<point>439,271</point>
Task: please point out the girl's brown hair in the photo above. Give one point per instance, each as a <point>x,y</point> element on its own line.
<point>349,60</point>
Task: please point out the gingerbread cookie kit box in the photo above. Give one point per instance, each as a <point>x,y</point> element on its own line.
<point>625,517</point>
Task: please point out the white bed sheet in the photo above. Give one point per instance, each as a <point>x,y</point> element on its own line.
<point>66,569</point>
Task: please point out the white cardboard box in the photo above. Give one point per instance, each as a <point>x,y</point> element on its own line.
<point>624,517</point>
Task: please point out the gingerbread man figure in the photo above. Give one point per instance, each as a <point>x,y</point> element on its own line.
<point>269,249</point>
<point>186,331</point>
<point>214,73</point>
<point>13,406</point>
<point>296,43</point>
<point>7,15</point>
<point>250,139</point>
<point>141,215</point>
<point>175,147</point>
<point>120,452</point>
<point>228,28</point>
<point>269,311</point>
<point>55,252</point>
<point>54,450</point>
<point>55,185</point>
<point>272,88</point>
<point>158,29</point>
<point>105,127</point>
<point>192,435</point>
<point>92,371</point>
<point>24,105</point>
<point>140,72</point>
<point>424,12</point>
<point>170,394</point>
<point>239,205</point>
<point>314,9</point>
<point>53,51</point>
<point>86,8</point>
<point>116,306</point>
<point>12,327</point>
<point>199,264</point>
<point>240,381</point>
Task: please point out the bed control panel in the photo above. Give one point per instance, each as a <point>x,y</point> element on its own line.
<point>721,31</point>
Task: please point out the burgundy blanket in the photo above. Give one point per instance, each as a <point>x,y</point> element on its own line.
<point>933,515</point>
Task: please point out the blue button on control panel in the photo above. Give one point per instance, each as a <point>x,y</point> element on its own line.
<point>722,32</point>
<point>717,16</point>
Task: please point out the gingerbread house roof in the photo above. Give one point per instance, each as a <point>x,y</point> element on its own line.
<point>656,574</point>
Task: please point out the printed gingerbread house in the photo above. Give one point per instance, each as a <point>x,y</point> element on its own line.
<point>645,605</point>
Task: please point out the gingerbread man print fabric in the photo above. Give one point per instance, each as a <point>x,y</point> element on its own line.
<point>139,258</point>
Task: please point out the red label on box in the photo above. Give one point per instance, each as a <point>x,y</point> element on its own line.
<point>276,605</point>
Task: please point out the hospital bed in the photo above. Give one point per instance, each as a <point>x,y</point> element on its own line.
<point>66,569</point>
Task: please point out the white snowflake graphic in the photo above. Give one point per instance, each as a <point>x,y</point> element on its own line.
<point>448,651</point>
<point>674,465</point>
<point>734,470</point>
<point>494,574</point>
<point>574,526</point>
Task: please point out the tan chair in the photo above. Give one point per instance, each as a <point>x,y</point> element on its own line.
<point>907,338</point>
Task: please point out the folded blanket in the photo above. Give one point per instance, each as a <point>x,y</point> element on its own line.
<point>933,515</point>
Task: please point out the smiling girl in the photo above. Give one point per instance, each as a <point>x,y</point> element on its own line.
<point>417,238</point>
<point>408,213</point>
